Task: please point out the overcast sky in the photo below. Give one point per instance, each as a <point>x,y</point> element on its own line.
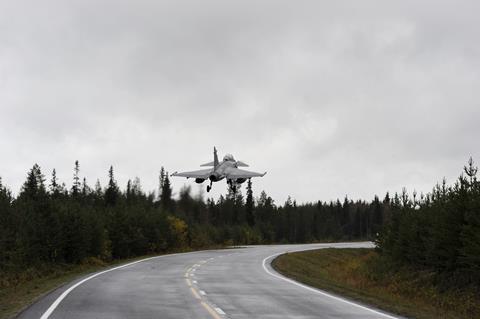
<point>331,98</point>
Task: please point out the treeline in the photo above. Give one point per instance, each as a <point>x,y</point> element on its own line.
<point>438,232</point>
<point>50,223</point>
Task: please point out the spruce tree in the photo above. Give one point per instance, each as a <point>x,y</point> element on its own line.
<point>161,181</point>
<point>98,188</point>
<point>470,234</point>
<point>136,187</point>
<point>112,191</point>
<point>166,195</point>
<point>85,188</point>
<point>35,183</point>
<point>377,218</point>
<point>128,193</point>
<point>471,172</point>
<point>54,183</point>
<point>98,193</point>
<point>76,179</point>
<point>249,204</point>
<point>8,228</point>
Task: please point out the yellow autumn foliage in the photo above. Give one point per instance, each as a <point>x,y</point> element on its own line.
<point>178,230</point>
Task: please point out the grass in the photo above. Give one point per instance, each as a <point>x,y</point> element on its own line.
<point>362,275</point>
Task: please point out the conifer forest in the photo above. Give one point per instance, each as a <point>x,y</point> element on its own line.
<point>48,222</point>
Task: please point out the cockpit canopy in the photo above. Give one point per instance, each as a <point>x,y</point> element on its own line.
<point>229,158</point>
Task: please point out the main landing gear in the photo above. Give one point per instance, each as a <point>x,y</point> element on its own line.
<point>209,187</point>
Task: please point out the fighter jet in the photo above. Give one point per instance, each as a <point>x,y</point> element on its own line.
<point>227,169</point>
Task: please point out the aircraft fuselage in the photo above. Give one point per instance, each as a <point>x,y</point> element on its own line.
<point>219,172</point>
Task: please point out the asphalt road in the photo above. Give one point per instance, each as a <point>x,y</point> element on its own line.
<point>228,283</point>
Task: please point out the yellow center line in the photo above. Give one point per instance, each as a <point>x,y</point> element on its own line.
<point>210,310</point>
<point>205,305</point>
<point>194,292</point>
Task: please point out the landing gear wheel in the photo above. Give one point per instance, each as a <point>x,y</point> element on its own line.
<point>208,188</point>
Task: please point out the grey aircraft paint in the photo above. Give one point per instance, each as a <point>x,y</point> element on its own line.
<point>226,169</point>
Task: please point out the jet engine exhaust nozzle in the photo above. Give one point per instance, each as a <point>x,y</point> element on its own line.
<point>214,178</point>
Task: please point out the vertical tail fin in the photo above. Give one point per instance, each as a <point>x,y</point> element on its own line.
<point>215,157</point>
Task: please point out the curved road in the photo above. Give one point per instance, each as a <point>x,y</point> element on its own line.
<point>227,283</point>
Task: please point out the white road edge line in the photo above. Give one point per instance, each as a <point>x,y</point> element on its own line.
<point>55,304</point>
<point>220,311</point>
<point>317,290</point>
